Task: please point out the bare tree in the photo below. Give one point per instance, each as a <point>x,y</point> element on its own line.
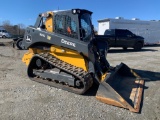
<point>21,29</point>
<point>7,25</point>
<point>18,29</point>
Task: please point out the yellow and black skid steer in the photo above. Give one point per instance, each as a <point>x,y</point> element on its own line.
<point>65,53</point>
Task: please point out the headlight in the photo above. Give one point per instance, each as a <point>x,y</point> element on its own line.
<point>75,11</point>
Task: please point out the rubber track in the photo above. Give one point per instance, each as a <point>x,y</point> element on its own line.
<point>79,73</point>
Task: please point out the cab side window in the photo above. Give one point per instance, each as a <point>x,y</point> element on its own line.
<point>120,33</point>
<point>123,33</point>
<point>109,32</point>
<point>65,25</point>
<point>86,29</point>
<point>129,33</point>
<point>59,24</point>
<point>4,31</point>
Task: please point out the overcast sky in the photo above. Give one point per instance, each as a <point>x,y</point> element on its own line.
<point>26,11</point>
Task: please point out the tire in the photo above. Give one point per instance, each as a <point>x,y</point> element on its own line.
<point>3,36</point>
<point>19,43</point>
<point>124,48</point>
<point>138,46</point>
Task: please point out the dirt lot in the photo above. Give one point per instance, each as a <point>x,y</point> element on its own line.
<point>21,98</point>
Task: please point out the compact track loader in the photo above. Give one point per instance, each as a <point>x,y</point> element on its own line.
<point>65,53</point>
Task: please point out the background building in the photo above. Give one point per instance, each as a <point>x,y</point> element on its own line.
<point>150,30</point>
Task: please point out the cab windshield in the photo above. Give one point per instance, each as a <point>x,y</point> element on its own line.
<point>86,27</point>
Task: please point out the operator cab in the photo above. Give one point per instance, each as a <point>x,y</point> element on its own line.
<point>75,23</point>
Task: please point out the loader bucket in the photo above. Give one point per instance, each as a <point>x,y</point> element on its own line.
<point>122,88</point>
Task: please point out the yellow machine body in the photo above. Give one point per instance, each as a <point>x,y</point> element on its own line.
<point>64,54</point>
<point>49,22</point>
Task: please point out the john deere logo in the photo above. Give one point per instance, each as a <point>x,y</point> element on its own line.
<point>28,39</point>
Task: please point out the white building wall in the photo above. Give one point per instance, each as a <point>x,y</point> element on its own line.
<point>102,27</point>
<point>150,30</point>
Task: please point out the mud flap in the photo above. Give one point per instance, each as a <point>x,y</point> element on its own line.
<point>122,88</point>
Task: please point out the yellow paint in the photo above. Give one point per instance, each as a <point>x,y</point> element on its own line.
<point>49,22</point>
<point>103,76</point>
<point>69,56</point>
<point>110,101</point>
<point>135,74</point>
<point>27,56</point>
<point>66,55</point>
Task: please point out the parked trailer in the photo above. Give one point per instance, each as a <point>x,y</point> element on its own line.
<point>150,30</point>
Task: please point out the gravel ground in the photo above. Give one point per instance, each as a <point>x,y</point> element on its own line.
<point>23,99</point>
